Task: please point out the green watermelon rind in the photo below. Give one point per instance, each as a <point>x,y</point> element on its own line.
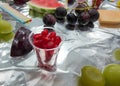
<point>40,9</point>
<point>36,10</point>
<point>34,13</point>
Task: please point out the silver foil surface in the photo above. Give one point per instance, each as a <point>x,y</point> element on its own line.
<point>93,47</point>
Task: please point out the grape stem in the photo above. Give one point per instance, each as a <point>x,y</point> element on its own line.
<point>71,11</point>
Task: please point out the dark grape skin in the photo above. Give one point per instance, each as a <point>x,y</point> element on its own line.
<point>80,8</point>
<point>90,24</point>
<point>84,18</point>
<point>71,18</point>
<point>60,12</point>
<point>70,2</point>
<point>20,44</point>
<point>70,27</point>
<point>20,2</point>
<point>83,27</point>
<point>49,20</point>
<point>60,20</point>
<point>94,14</point>
<point>49,29</point>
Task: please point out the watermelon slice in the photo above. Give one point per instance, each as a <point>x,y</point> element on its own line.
<point>40,7</point>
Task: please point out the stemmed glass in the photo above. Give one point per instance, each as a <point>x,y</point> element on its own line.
<point>46,58</point>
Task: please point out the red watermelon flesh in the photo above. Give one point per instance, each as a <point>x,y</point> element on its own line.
<point>48,3</point>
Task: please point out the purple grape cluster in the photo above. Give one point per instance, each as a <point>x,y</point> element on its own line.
<point>82,17</point>
<point>85,16</point>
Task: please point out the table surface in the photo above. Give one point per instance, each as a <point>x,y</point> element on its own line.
<point>93,47</point>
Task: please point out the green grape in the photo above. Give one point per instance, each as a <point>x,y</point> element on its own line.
<point>111,74</point>
<point>5,27</point>
<point>79,81</point>
<point>6,37</point>
<point>91,76</point>
<point>117,54</point>
<point>0,16</point>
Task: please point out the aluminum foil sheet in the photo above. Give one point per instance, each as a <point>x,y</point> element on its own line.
<point>93,47</point>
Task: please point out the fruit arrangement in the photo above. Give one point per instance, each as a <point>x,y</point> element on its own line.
<point>81,17</point>
<point>20,44</point>
<point>84,17</point>
<point>38,8</point>
<point>92,76</point>
<point>6,31</point>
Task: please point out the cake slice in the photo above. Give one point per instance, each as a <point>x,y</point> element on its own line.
<point>109,18</point>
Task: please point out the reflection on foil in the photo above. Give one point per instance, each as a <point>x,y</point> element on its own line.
<point>80,48</point>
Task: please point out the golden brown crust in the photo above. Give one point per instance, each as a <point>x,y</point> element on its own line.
<point>109,18</point>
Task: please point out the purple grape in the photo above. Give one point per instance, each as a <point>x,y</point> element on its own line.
<point>94,15</point>
<point>70,2</point>
<point>71,18</point>
<point>60,20</point>
<point>83,28</point>
<point>60,12</point>
<point>84,18</point>
<point>49,20</point>
<point>20,2</point>
<point>90,24</point>
<point>80,8</point>
<point>70,27</point>
<point>49,29</point>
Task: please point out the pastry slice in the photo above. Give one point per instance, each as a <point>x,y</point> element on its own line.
<point>109,18</point>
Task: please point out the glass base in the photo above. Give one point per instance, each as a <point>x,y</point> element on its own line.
<point>46,78</point>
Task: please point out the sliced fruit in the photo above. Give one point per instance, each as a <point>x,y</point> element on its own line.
<point>44,6</point>
<point>21,45</point>
<point>5,27</point>
<point>116,54</point>
<point>91,76</point>
<point>6,37</point>
<point>47,3</point>
<point>112,75</point>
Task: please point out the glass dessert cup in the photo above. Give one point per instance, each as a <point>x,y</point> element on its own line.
<point>46,58</point>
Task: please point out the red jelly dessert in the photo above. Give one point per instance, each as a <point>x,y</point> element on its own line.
<point>47,47</point>
<point>46,40</point>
